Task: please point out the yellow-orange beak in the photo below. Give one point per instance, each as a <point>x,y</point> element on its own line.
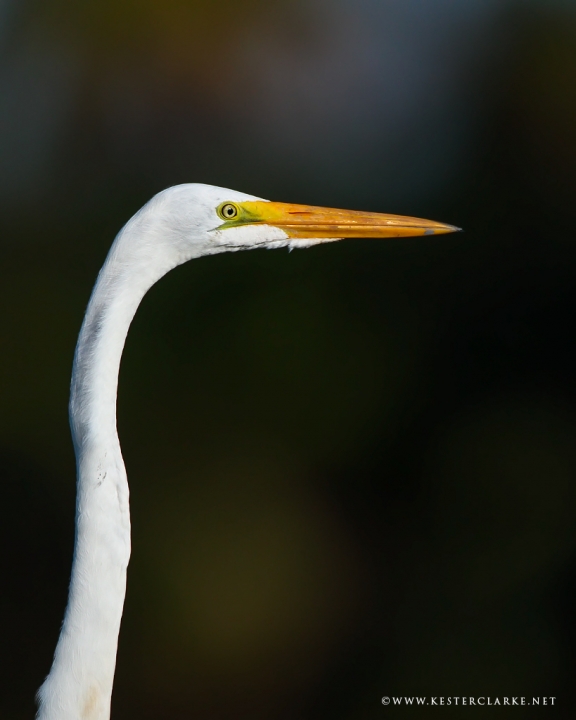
<point>305,221</point>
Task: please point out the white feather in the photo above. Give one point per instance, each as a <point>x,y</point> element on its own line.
<point>177,225</point>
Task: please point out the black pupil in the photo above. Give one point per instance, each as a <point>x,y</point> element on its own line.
<point>229,211</point>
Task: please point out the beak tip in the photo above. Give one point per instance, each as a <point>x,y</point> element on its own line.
<point>441,229</point>
<point>445,229</point>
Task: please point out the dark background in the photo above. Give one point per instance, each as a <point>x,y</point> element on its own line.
<point>352,468</point>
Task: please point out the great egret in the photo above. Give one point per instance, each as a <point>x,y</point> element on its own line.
<point>178,224</point>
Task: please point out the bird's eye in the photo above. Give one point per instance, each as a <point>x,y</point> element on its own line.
<point>228,211</point>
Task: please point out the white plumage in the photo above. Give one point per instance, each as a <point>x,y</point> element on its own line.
<point>179,224</point>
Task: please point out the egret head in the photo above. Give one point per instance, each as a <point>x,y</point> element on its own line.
<point>205,220</point>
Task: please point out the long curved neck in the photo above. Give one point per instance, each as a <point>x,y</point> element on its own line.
<point>79,686</point>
